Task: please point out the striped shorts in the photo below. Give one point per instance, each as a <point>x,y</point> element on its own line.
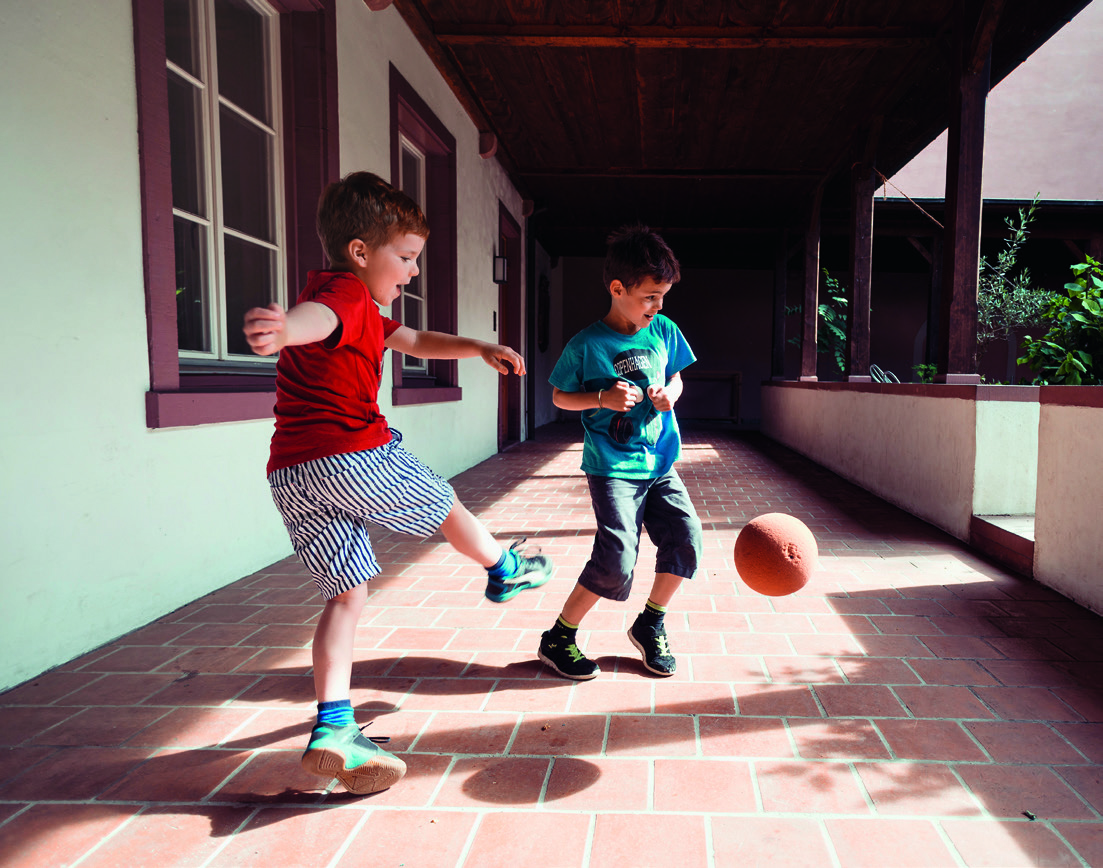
<point>327,504</point>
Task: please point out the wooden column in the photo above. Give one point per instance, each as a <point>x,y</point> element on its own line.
<point>934,302</point>
<point>811,305</point>
<point>969,83</point>
<point>781,283</point>
<point>863,185</point>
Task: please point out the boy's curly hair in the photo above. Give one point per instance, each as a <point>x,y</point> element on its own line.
<point>635,252</point>
<point>362,205</point>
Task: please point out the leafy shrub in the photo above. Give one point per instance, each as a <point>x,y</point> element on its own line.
<point>925,372</point>
<point>831,332</point>
<point>1071,352</point>
<point>1006,299</point>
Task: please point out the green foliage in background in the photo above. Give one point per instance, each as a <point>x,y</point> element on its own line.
<point>831,332</point>
<point>1006,298</point>
<point>1071,352</point>
<point>925,372</point>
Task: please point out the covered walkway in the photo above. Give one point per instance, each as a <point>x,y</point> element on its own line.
<point>914,705</point>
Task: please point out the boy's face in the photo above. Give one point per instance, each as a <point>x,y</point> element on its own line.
<point>633,309</point>
<point>385,270</point>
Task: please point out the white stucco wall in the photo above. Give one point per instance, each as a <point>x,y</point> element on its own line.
<point>449,437</point>
<point>1068,546</point>
<point>105,524</point>
<point>1006,474</point>
<point>915,452</point>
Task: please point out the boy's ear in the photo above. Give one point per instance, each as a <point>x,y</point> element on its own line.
<point>356,251</point>
<point>616,287</point>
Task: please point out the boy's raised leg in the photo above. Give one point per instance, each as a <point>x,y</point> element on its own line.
<point>508,572</point>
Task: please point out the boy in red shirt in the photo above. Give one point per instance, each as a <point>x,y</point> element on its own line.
<point>335,464</point>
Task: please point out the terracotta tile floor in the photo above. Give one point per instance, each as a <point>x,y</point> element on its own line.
<point>914,705</point>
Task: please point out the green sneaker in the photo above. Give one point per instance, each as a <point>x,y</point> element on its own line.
<point>565,657</point>
<point>531,572</point>
<point>343,752</point>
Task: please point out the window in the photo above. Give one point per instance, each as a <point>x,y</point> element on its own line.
<point>225,154</point>
<point>411,181</point>
<point>423,164</point>
<point>228,192</point>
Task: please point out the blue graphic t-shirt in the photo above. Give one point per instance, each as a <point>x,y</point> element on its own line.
<point>642,443</point>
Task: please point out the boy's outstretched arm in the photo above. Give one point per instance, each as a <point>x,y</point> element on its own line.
<point>438,345</point>
<point>269,329</point>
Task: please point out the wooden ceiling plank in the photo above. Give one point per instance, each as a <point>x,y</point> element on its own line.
<point>590,36</point>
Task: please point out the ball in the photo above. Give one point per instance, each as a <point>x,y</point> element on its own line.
<point>775,554</point>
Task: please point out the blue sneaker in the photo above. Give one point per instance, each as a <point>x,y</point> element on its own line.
<point>531,572</point>
<point>343,752</point>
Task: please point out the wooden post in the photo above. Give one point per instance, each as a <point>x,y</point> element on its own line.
<point>934,302</point>
<point>811,305</point>
<point>781,282</point>
<point>957,337</point>
<point>863,186</point>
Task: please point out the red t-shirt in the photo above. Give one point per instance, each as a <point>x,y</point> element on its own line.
<point>327,392</point>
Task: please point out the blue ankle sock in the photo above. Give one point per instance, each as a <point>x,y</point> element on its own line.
<point>506,566</point>
<point>336,713</point>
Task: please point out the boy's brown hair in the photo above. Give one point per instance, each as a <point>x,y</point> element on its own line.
<point>362,205</point>
<point>635,253</point>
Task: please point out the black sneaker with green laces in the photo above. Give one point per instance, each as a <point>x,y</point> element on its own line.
<point>563,655</point>
<point>343,752</point>
<point>651,642</point>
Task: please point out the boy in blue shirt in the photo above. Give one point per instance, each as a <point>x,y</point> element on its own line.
<point>623,373</point>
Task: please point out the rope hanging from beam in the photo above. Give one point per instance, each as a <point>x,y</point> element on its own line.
<point>889,183</point>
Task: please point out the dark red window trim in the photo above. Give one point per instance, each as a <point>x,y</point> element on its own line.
<point>308,49</point>
<point>413,118</point>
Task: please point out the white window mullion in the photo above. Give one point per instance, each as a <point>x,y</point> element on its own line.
<point>216,252</point>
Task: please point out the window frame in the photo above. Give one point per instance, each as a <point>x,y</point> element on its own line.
<point>412,118</point>
<point>308,100</point>
<point>412,365</point>
<point>211,106</point>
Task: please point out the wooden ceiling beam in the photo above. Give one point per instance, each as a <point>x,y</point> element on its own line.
<point>679,175</point>
<point>412,13</point>
<point>586,36</point>
<point>983,36</point>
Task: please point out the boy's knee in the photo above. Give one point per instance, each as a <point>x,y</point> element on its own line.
<point>354,597</point>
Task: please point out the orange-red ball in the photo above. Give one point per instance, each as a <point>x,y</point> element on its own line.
<point>775,554</point>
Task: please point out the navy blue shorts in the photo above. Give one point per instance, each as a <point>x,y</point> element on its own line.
<point>622,507</point>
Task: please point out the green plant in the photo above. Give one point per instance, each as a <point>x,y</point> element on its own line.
<point>831,334</point>
<point>1006,298</point>
<point>925,372</point>
<point>1067,354</point>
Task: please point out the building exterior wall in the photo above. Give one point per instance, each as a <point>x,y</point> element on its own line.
<point>1041,126</point>
<point>107,524</point>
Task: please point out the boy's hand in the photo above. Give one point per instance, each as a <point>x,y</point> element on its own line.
<point>621,397</point>
<point>265,329</point>
<point>497,355</point>
<point>662,399</point>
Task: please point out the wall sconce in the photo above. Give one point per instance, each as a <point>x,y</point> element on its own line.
<point>501,269</point>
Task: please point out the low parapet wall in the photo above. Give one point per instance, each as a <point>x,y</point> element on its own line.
<point>947,452</point>
<point>1068,525</point>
